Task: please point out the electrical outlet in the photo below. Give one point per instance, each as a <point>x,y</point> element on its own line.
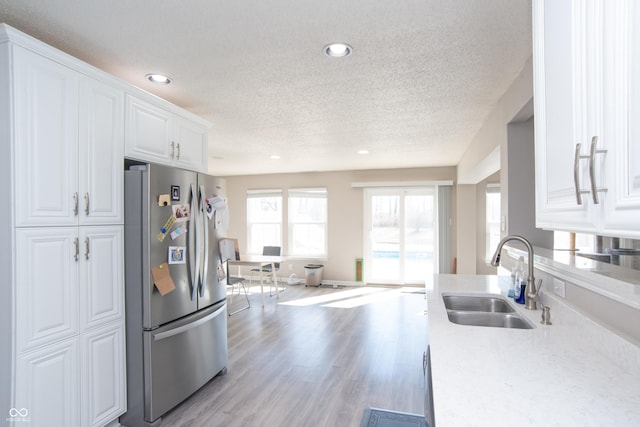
<point>558,287</point>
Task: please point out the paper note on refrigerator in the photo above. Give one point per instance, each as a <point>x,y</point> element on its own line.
<point>162,278</point>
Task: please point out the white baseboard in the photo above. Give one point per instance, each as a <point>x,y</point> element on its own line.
<point>341,283</point>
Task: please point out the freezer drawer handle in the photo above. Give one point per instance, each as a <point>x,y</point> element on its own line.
<point>184,328</point>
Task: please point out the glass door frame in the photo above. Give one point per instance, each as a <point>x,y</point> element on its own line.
<point>402,192</point>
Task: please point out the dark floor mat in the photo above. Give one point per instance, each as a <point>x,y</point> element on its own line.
<point>380,418</point>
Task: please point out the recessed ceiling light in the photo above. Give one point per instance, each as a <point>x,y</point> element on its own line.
<point>274,157</point>
<point>158,78</point>
<point>337,50</point>
<point>363,151</point>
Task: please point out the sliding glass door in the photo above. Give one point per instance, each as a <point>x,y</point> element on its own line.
<point>400,237</point>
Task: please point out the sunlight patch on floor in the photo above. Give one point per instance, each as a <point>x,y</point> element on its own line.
<point>334,296</point>
<point>366,299</point>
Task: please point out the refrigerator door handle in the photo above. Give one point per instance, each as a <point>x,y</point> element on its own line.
<point>205,235</point>
<point>193,236</point>
<point>184,328</point>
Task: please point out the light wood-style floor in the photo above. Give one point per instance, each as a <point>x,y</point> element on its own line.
<point>316,357</point>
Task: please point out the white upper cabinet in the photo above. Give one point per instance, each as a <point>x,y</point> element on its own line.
<point>621,31</point>
<point>585,72</point>
<point>154,134</point>
<point>191,145</point>
<point>46,140</point>
<point>147,133</point>
<point>101,153</point>
<point>69,132</point>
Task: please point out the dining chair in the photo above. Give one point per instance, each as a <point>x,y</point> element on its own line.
<point>233,283</point>
<point>267,268</point>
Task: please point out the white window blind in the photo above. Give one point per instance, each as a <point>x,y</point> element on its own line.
<point>307,218</point>
<point>264,219</point>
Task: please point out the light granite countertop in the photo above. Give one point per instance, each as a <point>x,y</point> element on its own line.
<point>570,373</point>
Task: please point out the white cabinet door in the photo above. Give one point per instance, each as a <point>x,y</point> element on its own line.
<point>46,285</point>
<point>46,141</point>
<point>622,119</point>
<point>103,375</point>
<point>148,132</point>
<point>191,145</point>
<point>101,275</point>
<point>566,110</point>
<point>47,385</point>
<point>101,152</point>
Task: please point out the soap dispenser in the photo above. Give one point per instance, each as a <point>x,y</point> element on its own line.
<point>519,279</point>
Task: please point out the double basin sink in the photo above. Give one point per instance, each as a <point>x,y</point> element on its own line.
<point>483,310</point>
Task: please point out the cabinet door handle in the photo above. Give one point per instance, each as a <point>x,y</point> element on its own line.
<point>76,254</point>
<point>86,248</point>
<point>86,203</point>
<point>592,169</point>
<point>75,203</point>
<point>576,174</point>
<point>178,156</point>
<point>173,149</point>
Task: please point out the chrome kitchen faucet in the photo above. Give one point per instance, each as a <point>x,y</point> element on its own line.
<point>531,295</point>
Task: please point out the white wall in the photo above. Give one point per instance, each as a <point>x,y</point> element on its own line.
<point>466,234</point>
<point>485,156</point>
<point>345,209</point>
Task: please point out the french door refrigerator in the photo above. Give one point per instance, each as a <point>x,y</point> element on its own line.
<point>176,312</point>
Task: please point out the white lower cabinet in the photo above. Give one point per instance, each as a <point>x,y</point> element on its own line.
<point>47,386</point>
<point>102,367</point>
<point>70,325</point>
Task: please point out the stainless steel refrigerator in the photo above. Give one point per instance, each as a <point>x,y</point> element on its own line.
<point>176,312</point>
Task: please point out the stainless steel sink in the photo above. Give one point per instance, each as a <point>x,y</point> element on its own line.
<point>499,320</point>
<point>483,310</point>
<point>476,303</point>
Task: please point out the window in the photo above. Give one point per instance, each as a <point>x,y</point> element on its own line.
<point>264,219</point>
<point>308,222</point>
<point>492,220</point>
<point>566,240</point>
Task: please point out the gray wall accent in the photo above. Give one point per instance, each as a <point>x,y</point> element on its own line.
<point>482,266</point>
<point>445,253</point>
<point>520,188</point>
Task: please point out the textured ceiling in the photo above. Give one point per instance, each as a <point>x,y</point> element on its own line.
<point>422,79</point>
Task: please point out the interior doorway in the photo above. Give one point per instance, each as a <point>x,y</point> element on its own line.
<point>400,235</point>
